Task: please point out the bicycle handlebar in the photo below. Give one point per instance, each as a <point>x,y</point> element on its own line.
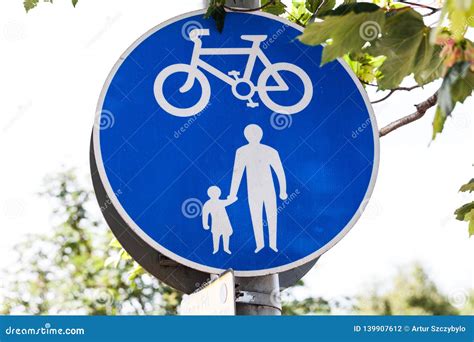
<point>196,33</point>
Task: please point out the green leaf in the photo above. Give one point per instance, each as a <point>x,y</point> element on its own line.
<point>469,217</point>
<point>406,44</point>
<point>277,8</point>
<point>471,225</point>
<point>365,66</point>
<point>114,243</point>
<point>348,33</point>
<point>112,260</point>
<point>137,271</point>
<point>355,7</point>
<point>462,89</point>
<point>321,6</point>
<point>460,15</point>
<point>457,85</point>
<point>468,187</point>
<point>30,4</point>
<point>438,122</point>
<point>299,14</point>
<point>463,211</point>
<point>217,12</point>
<point>452,82</point>
<point>429,65</point>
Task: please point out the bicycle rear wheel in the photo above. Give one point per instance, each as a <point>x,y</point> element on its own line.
<point>179,111</point>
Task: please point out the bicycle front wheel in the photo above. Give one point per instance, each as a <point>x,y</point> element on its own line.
<point>180,111</point>
<point>263,89</point>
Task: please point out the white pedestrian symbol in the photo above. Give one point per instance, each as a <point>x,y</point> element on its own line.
<point>220,223</point>
<point>257,161</point>
<point>233,78</point>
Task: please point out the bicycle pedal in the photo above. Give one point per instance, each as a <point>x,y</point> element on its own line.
<point>252,104</point>
<point>234,73</point>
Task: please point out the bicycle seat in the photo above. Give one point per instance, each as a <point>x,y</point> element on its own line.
<point>254,37</point>
<point>197,33</point>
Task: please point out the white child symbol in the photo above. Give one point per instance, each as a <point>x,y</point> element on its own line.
<point>220,223</point>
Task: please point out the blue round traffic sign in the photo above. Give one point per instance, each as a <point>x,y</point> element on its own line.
<point>235,149</point>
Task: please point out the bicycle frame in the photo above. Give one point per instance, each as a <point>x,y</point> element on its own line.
<point>253,52</point>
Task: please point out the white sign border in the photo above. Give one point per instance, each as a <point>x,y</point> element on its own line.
<point>192,264</point>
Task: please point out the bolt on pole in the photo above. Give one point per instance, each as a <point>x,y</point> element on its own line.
<point>258,296</point>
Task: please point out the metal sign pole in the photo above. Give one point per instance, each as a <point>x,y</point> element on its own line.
<point>256,295</point>
<point>243,3</point>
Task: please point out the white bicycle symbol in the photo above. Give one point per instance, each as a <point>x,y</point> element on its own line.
<point>233,77</point>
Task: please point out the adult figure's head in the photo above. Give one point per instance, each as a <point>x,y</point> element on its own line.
<point>253,133</point>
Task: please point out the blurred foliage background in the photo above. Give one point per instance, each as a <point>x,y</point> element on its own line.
<point>79,268</point>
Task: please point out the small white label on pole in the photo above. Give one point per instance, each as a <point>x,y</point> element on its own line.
<point>217,298</point>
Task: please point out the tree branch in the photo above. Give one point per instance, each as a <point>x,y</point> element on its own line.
<point>297,21</point>
<point>315,14</point>
<point>432,9</point>
<point>421,109</point>
<point>394,90</point>
<point>367,83</point>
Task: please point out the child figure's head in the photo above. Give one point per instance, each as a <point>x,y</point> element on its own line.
<point>214,192</point>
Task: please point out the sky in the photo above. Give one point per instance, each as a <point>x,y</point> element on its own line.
<point>53,64</point>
